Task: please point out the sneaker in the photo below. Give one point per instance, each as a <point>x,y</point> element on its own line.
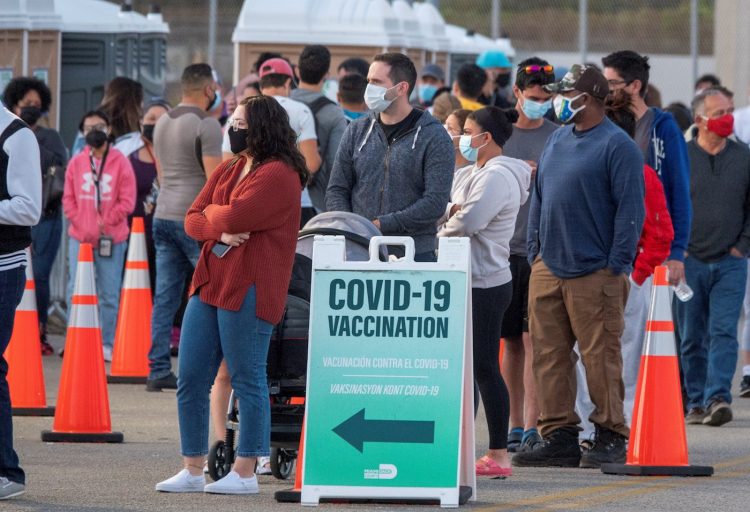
<point>718,413</point>
<point>168,382</point>
<point>107,352</point>
<point>608,447</point>
<point>531,438</point>
<point>745,387</point>
<point>695,416</point>
<point>559,449</point>
<point>182,482</point>
<point>10,489</point>
<point>233,483</point>
<point>264,466</point>
<point>515,436</point>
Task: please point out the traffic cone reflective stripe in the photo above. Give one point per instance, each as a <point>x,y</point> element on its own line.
<point>24,356</point>
<point>83,402</point>
<point>658,443</point>
<point>133,335</point>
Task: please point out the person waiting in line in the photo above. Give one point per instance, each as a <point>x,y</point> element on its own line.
<point>145,166</point>
<point>247,217</point>
<point>431,84</point>
<point>99,195</point>
<point>30,99</point>
<point>394,166</point>
<point>530,134</point>
<point>470,79</point>
<point>351,96</point>
<point>498,67</point>
<point>485,199</point>
<point>122,102</point>
<point>454,125</point>
<point>443,105</point>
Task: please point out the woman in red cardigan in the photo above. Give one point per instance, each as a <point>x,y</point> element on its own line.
<point>247,217</point>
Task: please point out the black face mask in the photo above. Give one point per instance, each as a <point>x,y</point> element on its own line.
<point>238,140</point>
<point>96,138</point>
<point>502,80</point>
<point>30,115</point>
<point>148,132</point>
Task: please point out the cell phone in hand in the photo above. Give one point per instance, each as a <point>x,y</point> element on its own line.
<point>220,249</point>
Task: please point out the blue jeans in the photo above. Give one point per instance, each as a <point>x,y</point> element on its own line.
<point>46,237</point>
<point>708,327</point>
<point>108,275</point>
<point>176,257</point>
<point>12,283</point>
<point>241,339</point>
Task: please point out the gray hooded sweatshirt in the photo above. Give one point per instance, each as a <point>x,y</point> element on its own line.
<point>490,198</point>
<point>405,185</point>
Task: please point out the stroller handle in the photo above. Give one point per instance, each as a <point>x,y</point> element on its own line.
<point>406,241</point>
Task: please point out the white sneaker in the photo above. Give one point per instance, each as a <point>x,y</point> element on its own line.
<point>182,482</point>
<point>10,489</point>
<point>233,483</point>
<point>107,351</point>
<point>264,466</point>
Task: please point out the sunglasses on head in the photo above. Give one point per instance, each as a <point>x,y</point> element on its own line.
<point>535,68</point>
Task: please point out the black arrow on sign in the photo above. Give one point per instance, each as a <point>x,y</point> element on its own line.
<point>357,431</point>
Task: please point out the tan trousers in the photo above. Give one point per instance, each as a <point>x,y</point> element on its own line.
<point>588,309</point>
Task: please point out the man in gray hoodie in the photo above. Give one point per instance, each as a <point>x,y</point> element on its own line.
<point>394,166</point>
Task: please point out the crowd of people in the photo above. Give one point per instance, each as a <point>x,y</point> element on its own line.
<point>571,185</point>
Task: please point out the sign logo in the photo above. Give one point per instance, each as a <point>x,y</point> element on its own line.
<point>384,472</point>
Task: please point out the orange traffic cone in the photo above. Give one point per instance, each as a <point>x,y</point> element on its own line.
<point>658,444</point>
<point>24,356</point>
<point>82,414</point>
<point>133,335</point>
<point>294,495</point>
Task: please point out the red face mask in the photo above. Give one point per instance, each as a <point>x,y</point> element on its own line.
<point>721,126</point>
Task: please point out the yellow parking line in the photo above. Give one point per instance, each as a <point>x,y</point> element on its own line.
<point>591,495</point>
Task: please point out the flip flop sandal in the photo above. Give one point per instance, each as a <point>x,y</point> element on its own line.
<point>488,467</point>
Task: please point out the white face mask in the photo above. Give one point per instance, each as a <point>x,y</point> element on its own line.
<point>375,97</point>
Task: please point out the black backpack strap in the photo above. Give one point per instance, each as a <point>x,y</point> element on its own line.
<point>10,130</point>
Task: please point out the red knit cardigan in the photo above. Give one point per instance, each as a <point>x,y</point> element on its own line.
<point>265,203</point>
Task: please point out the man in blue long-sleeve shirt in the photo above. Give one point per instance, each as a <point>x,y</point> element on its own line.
<point>586,216</point>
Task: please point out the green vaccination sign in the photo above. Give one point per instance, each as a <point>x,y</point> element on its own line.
<point>385,378</point>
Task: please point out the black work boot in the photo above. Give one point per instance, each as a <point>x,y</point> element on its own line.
<point>609,446</point>
<point>560,448</point>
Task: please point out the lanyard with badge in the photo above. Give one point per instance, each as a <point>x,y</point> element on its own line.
<point>105,242</point>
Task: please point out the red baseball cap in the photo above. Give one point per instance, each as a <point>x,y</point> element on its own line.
<point>276,66</point>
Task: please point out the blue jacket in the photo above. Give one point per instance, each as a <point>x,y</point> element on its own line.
<point>667,154</point>
<point>405,185</point>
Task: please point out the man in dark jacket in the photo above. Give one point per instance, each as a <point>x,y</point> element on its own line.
<point>716,265</point>
<point>395,166</point>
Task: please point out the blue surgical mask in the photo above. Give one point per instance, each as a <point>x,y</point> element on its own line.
<point>464,145</point>
<point>534,109</point>
<point>216,101</point>
<point>565,113</point>
<point>427,92</point>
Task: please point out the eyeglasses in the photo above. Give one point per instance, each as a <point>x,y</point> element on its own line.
<point>616,83</point>
<point>97,127</point>
<point>534,68</point>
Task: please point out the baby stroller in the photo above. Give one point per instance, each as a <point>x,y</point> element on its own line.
<point>287,352</point>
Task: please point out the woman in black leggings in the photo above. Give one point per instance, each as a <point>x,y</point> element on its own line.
<point>485,199</point>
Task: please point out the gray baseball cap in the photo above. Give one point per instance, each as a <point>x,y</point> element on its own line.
<point>434,71</point>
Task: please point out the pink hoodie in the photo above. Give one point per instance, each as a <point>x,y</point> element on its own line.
<point>118,192</point>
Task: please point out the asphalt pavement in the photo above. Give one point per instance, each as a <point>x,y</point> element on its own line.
<point>121,477</point>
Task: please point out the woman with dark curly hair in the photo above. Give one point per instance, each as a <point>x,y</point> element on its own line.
<point>30,98</point>
<point>247,217</point>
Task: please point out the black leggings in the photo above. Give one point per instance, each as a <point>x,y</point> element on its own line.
<point>488,307</point>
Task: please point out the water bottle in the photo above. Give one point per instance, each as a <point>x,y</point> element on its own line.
<point>683,292</point>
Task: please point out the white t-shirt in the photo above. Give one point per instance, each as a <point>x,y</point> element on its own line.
<point>302,122</point>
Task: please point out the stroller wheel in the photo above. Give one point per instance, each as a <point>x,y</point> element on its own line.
<point>282,463</point>
<point>219,461</point>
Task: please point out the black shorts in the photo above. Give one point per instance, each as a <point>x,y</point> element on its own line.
<point>516,319</point>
